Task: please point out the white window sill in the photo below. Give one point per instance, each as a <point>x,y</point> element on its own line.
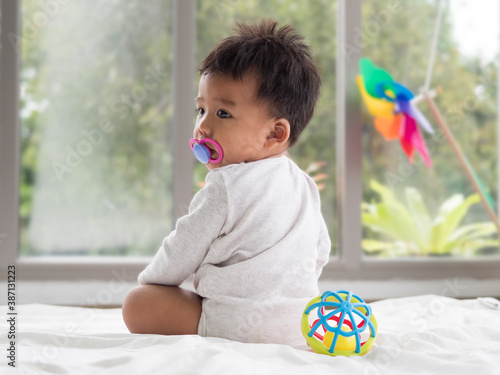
<point>111,293</point>
<point>105,281</point>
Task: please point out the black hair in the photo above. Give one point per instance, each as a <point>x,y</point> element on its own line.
<point>289,80</point>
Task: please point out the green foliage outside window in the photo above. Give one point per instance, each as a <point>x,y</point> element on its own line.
<point>72,81</point>
<point>409,230</point>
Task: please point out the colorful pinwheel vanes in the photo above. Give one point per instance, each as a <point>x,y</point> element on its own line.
<point>395,114</point>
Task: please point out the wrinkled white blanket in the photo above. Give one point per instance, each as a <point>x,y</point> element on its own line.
<point>417,335</point>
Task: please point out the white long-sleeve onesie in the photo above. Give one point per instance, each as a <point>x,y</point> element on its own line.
<point>256,241</point>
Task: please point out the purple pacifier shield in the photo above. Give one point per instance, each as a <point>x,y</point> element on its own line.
<point>201,152</point>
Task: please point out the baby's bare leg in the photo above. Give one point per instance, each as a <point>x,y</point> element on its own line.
<point>161,309</point>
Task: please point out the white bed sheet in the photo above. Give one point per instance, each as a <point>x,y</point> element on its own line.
<point>417,335</point>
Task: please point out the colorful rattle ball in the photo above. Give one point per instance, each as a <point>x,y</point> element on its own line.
<point>336,323</point>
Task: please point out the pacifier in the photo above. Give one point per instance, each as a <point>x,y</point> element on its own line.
<point>203,153</point>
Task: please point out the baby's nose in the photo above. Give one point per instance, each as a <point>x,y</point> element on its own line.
<point>204,129</point>
<point>199,133</point>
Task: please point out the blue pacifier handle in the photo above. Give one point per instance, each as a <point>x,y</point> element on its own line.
<point>201,152</point>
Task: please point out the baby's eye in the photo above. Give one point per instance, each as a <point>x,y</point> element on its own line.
<point>200,111</point>
<point>223,114</point>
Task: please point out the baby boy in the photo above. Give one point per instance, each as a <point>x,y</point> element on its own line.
<point>254,237</point>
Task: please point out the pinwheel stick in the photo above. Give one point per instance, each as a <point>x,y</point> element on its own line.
<point>463,161</point>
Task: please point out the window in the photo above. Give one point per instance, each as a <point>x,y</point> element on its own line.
<point>315,150</point>
<point>411,210</point>
<point>95,122</point>
<point>8,133</point>
<point>394,33</point>
<point>96,112</point>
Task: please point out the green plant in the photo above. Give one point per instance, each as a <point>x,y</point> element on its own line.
<point>409,230</point>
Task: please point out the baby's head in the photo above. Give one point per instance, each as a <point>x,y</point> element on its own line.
<point>257,92</point>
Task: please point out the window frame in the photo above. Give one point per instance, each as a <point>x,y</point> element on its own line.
<point>9,133</point>
<point>348,265</point>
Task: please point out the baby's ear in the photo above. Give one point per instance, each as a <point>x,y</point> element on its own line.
<point>279,133</point>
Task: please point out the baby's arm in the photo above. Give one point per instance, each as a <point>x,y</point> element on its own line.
<point>166,308</point>
<point>184,249</point>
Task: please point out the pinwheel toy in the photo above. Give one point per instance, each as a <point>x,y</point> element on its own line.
<point>395,114</point>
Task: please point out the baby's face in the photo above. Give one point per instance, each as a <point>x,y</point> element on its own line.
<point>229,113</point>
